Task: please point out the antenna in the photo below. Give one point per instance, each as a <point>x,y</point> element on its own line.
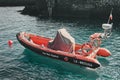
<point>107,27</point>
<point>110,17</point>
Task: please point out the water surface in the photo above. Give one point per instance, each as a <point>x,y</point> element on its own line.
<point>18,63</point>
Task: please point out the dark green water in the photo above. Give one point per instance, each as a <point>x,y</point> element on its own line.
<point>18,63</point>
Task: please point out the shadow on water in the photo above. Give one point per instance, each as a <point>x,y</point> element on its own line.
<point>72,20</point>
<point>62,68</point>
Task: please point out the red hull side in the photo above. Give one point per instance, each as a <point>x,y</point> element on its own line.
<point>103,52</point>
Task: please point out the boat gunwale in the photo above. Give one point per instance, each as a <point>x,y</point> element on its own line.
<point>60,53</point>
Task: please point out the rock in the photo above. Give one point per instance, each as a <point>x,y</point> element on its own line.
<point>16,2</point>
<point>99,9</point>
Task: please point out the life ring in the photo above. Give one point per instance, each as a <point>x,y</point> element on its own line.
<point>86,49</point>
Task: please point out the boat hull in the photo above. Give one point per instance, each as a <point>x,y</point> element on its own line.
<point>79,60</point>
<point>103,52</point>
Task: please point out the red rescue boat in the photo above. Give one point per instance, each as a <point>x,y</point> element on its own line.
<point>39,45</point>
<point>63,46</point>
